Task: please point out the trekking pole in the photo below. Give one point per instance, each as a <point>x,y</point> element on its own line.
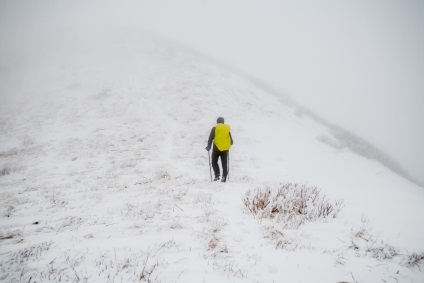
<point>210,169</point>
<point>228,173</point>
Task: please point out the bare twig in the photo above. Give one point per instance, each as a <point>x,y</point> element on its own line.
<point>179,207</point>
<point>142,275</point>
<point>353,277</point>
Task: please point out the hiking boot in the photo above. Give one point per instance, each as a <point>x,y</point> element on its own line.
<point>224,179</point>
<point>216,178</point>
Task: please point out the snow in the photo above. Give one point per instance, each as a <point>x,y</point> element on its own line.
<point>108,179</point>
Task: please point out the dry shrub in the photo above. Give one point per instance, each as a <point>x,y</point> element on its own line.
<point>9,168</point>
<point>291,204</point>
<point>215,242</point>
<point>34,252</point>
<point>413,260</point>
<point>366,244</point>
<point>5,171</point>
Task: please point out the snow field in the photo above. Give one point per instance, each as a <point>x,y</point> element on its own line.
<point>106,179</point>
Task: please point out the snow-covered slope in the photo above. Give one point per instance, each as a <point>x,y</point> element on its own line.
<point>104,177</point>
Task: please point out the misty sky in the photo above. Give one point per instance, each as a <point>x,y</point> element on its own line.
<point>358,64</point>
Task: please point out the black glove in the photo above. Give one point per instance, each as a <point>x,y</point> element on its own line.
<point>208,148</point>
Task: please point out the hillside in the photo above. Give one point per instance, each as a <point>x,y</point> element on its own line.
<point>104,177</point>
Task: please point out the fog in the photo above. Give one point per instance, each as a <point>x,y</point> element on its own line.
<point>357,64</point>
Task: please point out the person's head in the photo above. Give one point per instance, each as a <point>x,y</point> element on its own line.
<point>220,120</point>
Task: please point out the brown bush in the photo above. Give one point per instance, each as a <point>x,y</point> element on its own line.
<point>291,204</point>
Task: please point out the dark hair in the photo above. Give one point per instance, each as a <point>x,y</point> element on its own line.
<point>220,120</point>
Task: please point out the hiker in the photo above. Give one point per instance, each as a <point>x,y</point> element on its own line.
<point>222,141</point>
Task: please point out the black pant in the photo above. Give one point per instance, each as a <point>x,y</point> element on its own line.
<point>224,161</point>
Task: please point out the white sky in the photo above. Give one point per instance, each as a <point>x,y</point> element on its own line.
<point>359,64</point>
